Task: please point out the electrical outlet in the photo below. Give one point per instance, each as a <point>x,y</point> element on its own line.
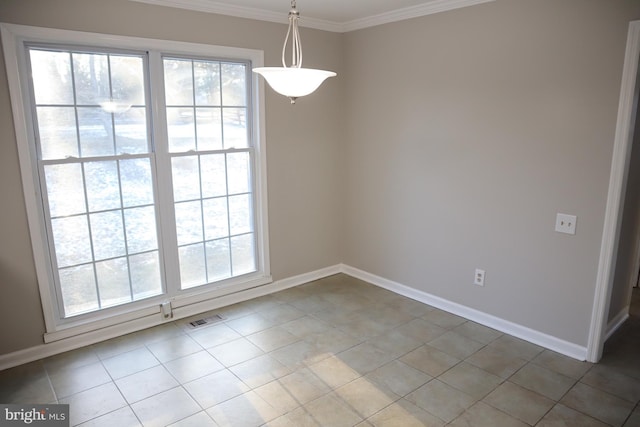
<point>566,223</point>
<point>479,277</point>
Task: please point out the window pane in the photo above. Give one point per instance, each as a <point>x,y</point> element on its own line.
<point>238,169</point>
<point>140,225</point>
<point>96,132</point>
<point>91,76</point>
<point>189,222</point>
<point>64,189</point>
<point>107,234</point>
<point>207,82</point>
<point>186,178</point>
<point>243,254</point>
<point>70,90</point>
<point>57,131</point>
<point>240,214</point>
<point>131,131</point>
<point>103,188</point>
<point>127,79</point>
<point>218,260</point>
<point>215,175</point>
<point>216,222</point>
<point>113,282</point>
<point>209,127</point>
<point>51,73</point>
<point>71,238</point>
<point>181,129</point>
<point>178,82</point>
<point>145,275</point>
<point>78,288</point>
<point>214,182</point>
<point>234,87</point>
<point>235,128</point>
<point>137,185</point>
<point>192,266</point>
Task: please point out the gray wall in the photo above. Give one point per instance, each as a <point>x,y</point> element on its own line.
<point>467,132</point>
<point>304,145</point>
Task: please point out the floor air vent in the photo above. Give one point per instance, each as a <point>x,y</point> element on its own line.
<point>205,321</point>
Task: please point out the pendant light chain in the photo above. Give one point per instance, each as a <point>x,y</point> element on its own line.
<point>296,45</point>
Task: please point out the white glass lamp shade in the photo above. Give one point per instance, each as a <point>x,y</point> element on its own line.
<point>294,82</point>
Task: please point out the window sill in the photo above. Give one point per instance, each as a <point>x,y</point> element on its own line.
<point>149,314</point>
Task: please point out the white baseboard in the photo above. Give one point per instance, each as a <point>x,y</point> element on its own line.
<point>45,350</point>
<point>616,322</point>
<point>31,354</point>
<point>550,342</point>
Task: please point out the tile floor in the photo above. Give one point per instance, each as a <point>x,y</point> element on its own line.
<point>334,352</point>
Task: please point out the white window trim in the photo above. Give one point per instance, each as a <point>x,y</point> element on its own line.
<point>146,312</point>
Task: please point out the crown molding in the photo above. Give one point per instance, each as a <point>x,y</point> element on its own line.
<point>428,8</point>
<point>245,12</point>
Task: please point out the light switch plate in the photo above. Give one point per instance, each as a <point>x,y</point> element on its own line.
<point>566,223</point>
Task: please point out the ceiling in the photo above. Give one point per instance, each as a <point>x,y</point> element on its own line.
<point>330,15</point>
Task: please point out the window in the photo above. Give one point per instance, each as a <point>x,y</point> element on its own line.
<point>95,164</point>
<point>149,168</point>
<point>211,168</point>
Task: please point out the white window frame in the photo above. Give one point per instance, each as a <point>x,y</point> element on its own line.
<point>146,312</point>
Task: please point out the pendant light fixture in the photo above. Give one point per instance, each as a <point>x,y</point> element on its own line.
<point>293,81</point>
